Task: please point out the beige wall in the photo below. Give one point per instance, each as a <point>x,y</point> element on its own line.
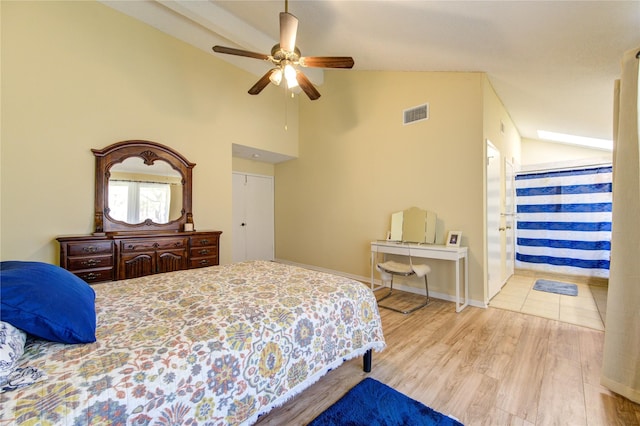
<point>244,165</point>
<point>498,126</point>
<point>543,152</point>
<point>357,164</point>
<point>79,75</point>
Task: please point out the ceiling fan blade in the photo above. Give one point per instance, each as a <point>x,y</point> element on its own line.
<point>240,52</point>
<point>262,83</point>
<point>327,61</point>
<point>307,86</point>
<point>288,31</point>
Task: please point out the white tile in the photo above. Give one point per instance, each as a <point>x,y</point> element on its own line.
<point>578,302</point>
<point>544,296</point>
<point>518,295</point>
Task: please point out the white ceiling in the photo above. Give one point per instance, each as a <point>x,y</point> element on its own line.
<point>552,63</point>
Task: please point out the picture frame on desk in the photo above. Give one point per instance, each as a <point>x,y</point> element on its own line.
<point>453,238</point>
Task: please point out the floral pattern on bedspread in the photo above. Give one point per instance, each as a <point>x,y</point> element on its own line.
<point>210,346</point>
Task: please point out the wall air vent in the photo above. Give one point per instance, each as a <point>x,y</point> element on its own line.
<point>415,114</point>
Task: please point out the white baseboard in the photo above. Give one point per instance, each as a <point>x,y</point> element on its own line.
<point>378,283</point>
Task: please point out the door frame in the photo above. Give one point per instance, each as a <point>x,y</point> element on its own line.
<point>493,224</point>
<point>510,219</point>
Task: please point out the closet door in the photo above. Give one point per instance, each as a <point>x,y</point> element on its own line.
<point>253,220</point>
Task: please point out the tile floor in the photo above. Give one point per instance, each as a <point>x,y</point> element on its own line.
<point>587,309</point>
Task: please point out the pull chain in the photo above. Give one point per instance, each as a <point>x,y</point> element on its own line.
<point>286,115</point>
<point>286,107</point>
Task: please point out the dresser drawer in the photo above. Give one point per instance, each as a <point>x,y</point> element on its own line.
<point>205,251</point>
<point>90,248</point>
<point>79,263</point>
<point>96,275</point>
<point>203,261</point>
<point>204,240</point>
<point>152,244</point>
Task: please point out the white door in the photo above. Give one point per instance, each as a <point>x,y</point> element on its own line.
<point>253,217</point>
<point>494,247</point>
<point>510,219</point>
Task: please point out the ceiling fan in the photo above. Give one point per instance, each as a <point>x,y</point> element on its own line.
<point>286,57</point>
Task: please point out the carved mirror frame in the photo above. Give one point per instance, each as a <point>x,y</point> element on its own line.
<point>149,152</point>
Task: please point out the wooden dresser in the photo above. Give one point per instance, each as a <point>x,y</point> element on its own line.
<point>130,255</point>
<point>126,242</point>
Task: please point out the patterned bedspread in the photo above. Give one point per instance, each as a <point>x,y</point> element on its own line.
<point>210,346</point>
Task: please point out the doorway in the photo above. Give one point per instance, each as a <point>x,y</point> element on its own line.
<point>564,219</point>
<point>509,219</point>
<point>253,217</point>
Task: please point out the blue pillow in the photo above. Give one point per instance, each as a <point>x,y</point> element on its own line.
<point>47,301</point>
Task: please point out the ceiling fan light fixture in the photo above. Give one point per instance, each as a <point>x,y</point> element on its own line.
<point>276,76</point>
<point>286,57</point>
<point>290,75</point>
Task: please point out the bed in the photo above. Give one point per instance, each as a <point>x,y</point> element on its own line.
<point>210,346</point>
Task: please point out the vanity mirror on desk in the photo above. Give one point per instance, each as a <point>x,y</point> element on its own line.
<point>143,218</point>
<point>413,235</point>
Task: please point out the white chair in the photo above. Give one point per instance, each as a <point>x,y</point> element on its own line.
<point>390,268</point>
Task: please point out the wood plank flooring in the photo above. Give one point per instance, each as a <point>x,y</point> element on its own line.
<point>482,366</point>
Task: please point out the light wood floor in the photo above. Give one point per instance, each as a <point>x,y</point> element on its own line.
<point>483,366</point>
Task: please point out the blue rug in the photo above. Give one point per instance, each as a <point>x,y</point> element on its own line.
<point>371,403</point>
<point>556,287</point>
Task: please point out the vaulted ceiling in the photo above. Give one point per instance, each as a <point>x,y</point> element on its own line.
<point>552,63</point>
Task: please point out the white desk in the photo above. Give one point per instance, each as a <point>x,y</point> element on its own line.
<point>427,251</point>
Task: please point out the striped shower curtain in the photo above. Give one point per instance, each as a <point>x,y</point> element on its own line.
<point>564,221</point>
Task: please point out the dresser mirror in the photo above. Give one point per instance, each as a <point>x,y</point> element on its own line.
<point>140,192</point>
<point>141,186</point>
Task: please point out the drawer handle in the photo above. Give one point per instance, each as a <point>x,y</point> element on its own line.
<point>204,251</point>
<point>204,242</point>
<point>91,262</point>
<point>90,249</point>
<point>204,262</point>
<point>156,245</point>
<point>91,276</point>
<point>177,244</point>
